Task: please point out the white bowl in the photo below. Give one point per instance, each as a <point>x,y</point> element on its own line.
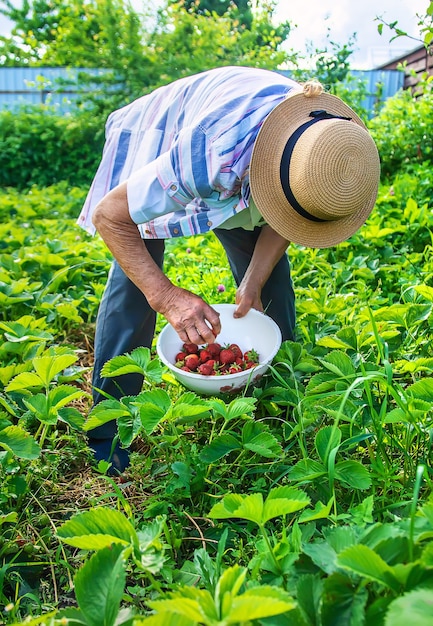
<point>254,331</point>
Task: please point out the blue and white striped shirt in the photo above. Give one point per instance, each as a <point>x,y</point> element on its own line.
<point>184,150</point>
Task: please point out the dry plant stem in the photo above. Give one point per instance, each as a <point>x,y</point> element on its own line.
<point>192,520</point>
<point>71,582</point>
<point>53,573</point>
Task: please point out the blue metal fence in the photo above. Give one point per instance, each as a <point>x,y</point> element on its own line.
<point>36,85</point>
<point>57,86</point>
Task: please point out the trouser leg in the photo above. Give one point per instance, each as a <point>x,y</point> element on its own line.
<point>278,297</point>
<point>125,321</point>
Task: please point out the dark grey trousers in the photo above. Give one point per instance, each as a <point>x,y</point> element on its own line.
<point>125,320</point>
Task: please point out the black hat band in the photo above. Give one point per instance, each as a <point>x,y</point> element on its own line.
<point>317,116</point>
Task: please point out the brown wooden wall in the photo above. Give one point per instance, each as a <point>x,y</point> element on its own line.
<point>417,62</point>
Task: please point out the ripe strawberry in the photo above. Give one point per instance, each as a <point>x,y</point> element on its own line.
<point>234,369</point>
<point>205,355</point>
<point>226,357</point>
<point>240,361</point>
<point>190,348</point>
<point>251,356</point>
<point>180,356</point>
<point>192,361</point>
<point>235,349</point>
<point>185,368</point>
<point>208,368</point>
<point>214,349</point>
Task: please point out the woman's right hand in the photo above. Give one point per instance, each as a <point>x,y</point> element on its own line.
<point>193,319</point>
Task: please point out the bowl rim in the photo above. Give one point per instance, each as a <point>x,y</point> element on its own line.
<point>231,377</point>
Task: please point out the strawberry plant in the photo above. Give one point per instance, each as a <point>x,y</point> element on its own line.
<point>307,497</point>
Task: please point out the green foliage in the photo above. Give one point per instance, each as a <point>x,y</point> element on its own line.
<point>306,502</point>
<point>425,24</point>
<point>401,132</point>
<point>189,42</point>
<point>331,63</point>
<point>41,148</point>
<point>71,34</point>
<point>162,45</point>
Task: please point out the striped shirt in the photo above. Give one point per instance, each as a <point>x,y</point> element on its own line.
<point>185,149</point>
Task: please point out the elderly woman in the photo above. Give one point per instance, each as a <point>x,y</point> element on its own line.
<point>247,153</point>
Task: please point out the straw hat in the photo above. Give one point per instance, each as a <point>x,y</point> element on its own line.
<point>314,170</point>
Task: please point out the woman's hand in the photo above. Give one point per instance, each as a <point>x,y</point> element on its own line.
<point>247,297</point>
<point>269,249</point>
<point>191,317</point>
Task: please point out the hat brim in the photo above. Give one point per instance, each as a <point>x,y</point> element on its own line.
<point>265,182</point>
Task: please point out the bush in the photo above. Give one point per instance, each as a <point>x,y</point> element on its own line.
<point>402,131</point>
<point>42,148</point>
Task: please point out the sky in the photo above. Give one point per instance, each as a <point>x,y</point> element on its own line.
<point>343,18</point>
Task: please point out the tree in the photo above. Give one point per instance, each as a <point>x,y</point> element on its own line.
<point>221,7</point>
<point>72,33</point>
<point>187,42</point>
<point>425,23</point>
<point>109,34</point>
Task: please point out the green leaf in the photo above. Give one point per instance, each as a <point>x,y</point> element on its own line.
<point>72,417</point>
<point>320,511</point>
<point>25,380</point>
<point>307,470</point>
<point>63,394</point>
<point>364,562</point>
<point>104,412</point>
<point>220,446</point>
<point>9,518</point>
<point>189,608</point>
<point>309,591</point>
<point>153,406</point>
<point>421,364</point>
<point>283,501</point>
<point>47,367</point>
<point>99,586</point>
<point>331,342</point>
<point>342,602</point>
<point>414,608</point>
<point>339,363</point>
<point>230,583</point>
<point>237,408</point>
<point>19,442</point>
<point>40,406</point>
<point>98,528</point>
<point>353,474</point>
<point>258,603</point>
<point>149,554</point>
<point>258,438</point>
<point>128,427</point>
<point>137,362</point>
<point>327,439</point>
<point>280,501</point>
<point>189,405</point>
<point>422,390</point>
<point>239,506</point>
<point>427,556</point>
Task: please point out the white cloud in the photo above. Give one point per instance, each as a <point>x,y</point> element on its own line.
<point>343,18</point>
